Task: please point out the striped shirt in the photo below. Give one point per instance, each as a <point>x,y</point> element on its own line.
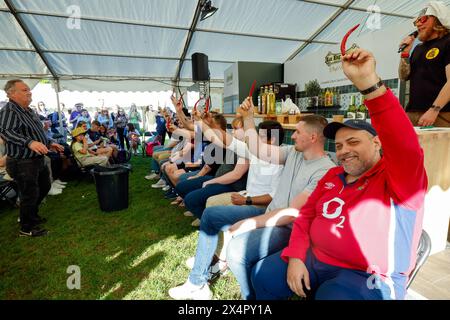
<point>19,127</point>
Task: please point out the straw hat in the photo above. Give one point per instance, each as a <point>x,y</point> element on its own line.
<point>77,131</point>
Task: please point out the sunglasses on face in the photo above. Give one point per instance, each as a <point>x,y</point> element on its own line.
<point>421,19</point>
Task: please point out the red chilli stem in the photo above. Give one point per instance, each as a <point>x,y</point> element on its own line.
<point>344,40</point>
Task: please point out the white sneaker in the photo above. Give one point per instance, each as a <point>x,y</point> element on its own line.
<point>60,182</point>
<point>160,184</point>
<point>188,214</point>
<point>54,191</point>
<point>217,269</point>
<point>166,188</point>
<point>152,176</point>
<point>189,291</point>
<point>196,223</point>
<point>57,185</point>
<point>190,262</point>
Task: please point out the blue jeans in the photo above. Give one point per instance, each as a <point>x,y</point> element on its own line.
<point>195,201</point>
<point>186,186</point>
<point>327,282</point>
<point>186,175</point>
<point>245,250</point>
<point>214,220</point>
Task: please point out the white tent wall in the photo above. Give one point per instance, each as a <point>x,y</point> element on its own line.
<point>282,18</point>
<point>161,12</point>
<point>312,66</point>
<point>149,39</point>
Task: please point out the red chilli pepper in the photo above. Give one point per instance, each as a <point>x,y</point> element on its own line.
<point>344,40</point>
<point>181,98</point>
<point>195,105</point>
<point>252,89</point>
<point>207,105</point>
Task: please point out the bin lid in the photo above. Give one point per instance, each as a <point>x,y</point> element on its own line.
<point>111,170</point>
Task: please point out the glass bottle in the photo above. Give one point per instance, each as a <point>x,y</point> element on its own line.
<point>271,101</point>
<point>264,100</point>
<point>352,108</point>
<point>362,110</point>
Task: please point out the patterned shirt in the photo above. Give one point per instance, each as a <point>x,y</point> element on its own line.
<point>19,127</point>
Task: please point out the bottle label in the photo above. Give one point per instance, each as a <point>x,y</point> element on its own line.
<point>351,115</point>
<point>278,107</point>
<point>361,115</point>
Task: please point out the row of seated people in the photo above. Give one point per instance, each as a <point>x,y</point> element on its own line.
<point>294,222</point>
<point>92,146</point>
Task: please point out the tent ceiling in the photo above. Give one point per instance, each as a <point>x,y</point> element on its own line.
<point>136,41</point>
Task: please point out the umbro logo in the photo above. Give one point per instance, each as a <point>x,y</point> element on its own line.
<point>329,186</point>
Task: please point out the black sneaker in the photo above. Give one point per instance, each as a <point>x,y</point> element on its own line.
<point>171,195</point>
<point>33,233</point>
<point>40,221</point>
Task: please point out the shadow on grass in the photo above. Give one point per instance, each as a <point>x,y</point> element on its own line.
<point>149,237</point>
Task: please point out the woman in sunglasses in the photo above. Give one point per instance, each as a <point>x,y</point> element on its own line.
<point>428,67</point>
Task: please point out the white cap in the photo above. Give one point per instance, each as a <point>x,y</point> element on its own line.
<point>439,10</point>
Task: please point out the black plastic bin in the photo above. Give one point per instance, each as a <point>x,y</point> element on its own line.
<point>112,186</point>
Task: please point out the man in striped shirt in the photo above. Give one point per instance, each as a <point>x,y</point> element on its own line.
<point>26,145</point>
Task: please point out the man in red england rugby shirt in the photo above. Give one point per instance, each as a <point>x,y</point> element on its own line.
<point>356,237</point>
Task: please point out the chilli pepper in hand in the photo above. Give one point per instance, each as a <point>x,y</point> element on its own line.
<point>344,40</point>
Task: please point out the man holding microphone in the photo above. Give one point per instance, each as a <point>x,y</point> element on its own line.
<point>428,67</point>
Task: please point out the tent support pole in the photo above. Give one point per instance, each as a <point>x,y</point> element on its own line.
<point>60,119</point>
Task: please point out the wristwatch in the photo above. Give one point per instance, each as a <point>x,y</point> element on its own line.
<point>373,88</point>
<point>249,201</point>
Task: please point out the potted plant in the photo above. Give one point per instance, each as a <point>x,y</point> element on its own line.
<point>312,89</point>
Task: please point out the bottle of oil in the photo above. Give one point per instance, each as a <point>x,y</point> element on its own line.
<point>328,98</point>
<point>321,98</point>
<point>271,101</point>
<point>260,99</point>
<point>264,100</point>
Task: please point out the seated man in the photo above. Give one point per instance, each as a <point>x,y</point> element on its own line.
<point>305,163</point>
<point>356,237</point>
<point>81,150</point>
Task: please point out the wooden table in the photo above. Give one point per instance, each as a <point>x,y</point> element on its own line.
<point>436,147</point>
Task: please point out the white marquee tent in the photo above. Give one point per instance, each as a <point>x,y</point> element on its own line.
<point>146,45</point>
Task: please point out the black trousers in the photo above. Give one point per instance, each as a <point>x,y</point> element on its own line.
<point>33,183</point>
<point>122,138</point>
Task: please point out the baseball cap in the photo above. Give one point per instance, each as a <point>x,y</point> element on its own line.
<point>439,10</point>
<point>331,129</point>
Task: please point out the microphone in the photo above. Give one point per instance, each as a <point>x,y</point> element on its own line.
<point>403,46</point>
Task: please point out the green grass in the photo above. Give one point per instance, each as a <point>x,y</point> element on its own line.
<point>138,253</point>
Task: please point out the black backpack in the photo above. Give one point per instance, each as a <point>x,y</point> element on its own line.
<point>123,156</point>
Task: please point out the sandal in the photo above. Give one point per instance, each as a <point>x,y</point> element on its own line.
<point>178,200</point>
